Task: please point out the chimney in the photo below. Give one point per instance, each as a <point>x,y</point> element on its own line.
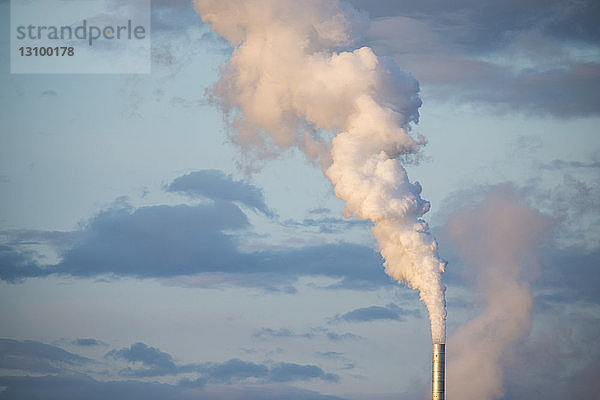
<point>438,386</point>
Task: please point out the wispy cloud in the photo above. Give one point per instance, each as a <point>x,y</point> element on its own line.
<point>560,164</point>
<point>313,333</point>
<point>215,185</point>
<point>88,342</point>
<point>265,333</point>
<point>375,313</point>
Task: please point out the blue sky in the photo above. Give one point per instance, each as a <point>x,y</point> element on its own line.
<point>137,258</point>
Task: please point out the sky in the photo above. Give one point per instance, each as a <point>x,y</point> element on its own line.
<point>148,251</point>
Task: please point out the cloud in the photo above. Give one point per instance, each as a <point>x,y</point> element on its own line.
<point>78,387</point>
<point>234,370</point>
<point>570,275</point>
<point>575,204</point>
<point>285,372</point>
<point>17,265</point>
<point>565,91</point>
<point>29,357</point>
<point>280,333</point>
<point>560,164</point>
<point>327,224</point>
<point>374,313</point>
<point>337,356</point>
<point>157,241</point>
<point>510,56</point>
<point>158,362</point>
<point>339,337</point>
<point>565,336</point>
<point>332,355</point>
<point>214,184</point>
<point>37,357</point>
<point>493,20</point>
<point>270,334</point>
<point>87,342</point>
<point>189,241</point>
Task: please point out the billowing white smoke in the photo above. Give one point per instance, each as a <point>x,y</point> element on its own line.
<point>295,74</point>
<point>497,242</point>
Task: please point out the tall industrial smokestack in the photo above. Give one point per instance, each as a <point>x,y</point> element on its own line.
<point>438,381</point>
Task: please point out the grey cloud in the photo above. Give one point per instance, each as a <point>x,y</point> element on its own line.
<point>37,357</point>
<point>445,46</point>
<point>337,356</point>
<point>489,22</point>
<point>157,241</point>
<point>564,91</point>
<point>179,241</point>
<point>575,205</point>
<point>319,211</point>
<point>570,275</point>
<point>234,370</point>
<point>333,355</point>
<point>326,224</point>
<point>58,239</point>
<point>281,333</point>
<point>215,185</point>
<point>87,342</point>
<point>560,164</point>
<point>568,92</point>
<point>78,387</point>
<point>159,363</point>
<point>537,374</point>
<point>266,333</point>
<point>182,241</point>
<point>285,372</point>
<point>17,265</point>
<point>374,313</point>
<point>339,337</point>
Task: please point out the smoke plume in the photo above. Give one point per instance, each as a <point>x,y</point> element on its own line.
<point>497,242</point>
<point>295,76</point>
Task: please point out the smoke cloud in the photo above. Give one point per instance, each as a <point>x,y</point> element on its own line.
<point>297,74</point>
<point>497,242</point>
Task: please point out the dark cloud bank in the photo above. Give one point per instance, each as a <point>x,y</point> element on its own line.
<point>63,376</point>
<point>183,240</point>
<point>453,50</point>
